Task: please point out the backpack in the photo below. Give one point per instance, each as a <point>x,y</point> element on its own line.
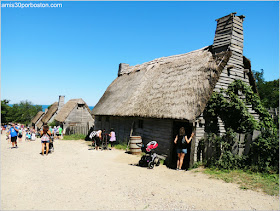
<point>45,137</point>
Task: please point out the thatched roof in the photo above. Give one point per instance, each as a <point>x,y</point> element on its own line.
<point>37,117</point>
<point>68,107</point>
<point>176,87</point>
<point>51,111</point>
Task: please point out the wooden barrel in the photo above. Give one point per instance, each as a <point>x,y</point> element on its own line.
<point>135,143</point>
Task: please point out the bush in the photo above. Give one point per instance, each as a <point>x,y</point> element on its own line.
<point>264,152</point>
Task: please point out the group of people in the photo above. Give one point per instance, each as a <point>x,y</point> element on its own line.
<point>56,131</point>
<point>15,133</point>
<point>100,136</point>
<point>47,135</point>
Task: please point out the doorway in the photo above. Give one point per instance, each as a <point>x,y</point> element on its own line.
<point>188,128</point>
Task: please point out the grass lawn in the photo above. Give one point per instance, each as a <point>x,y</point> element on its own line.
<point>269,183</point>
<point>74,137</point>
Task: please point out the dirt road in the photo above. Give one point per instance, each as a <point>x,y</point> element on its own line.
<point>75,178</point>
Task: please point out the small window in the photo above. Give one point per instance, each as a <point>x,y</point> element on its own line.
<point>107,118</point>
<point>228,72</point>
<point>140,123</point>
<point>244,75</point>
<point>99,118</point>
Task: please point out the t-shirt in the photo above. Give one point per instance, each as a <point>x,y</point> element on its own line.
<point>113,136</point>
<point>181,142</point>
<point>98,133</point>
<point>60,130</point>
<point>13,132</point>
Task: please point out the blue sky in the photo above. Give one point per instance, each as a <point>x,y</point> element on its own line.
<point>76,50</point>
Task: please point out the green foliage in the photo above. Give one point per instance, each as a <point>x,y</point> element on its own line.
<point>121,145</point>
<point>222,147</point>
<point>232,110</point>
<point>53,123</point>
<point>268,90</point>
<point>264,152</point>
<point>21,113</point>
<point>74,137</point>
<point>4,110</point>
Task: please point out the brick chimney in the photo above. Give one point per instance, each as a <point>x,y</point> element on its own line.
<point>60,102</point>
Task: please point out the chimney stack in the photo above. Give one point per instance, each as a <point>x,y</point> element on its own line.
<point>60,102</point>
<point>229,34</point>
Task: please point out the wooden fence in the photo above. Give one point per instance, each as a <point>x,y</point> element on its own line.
<point>77,129</point>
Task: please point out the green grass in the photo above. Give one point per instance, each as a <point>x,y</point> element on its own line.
<point>74,137</point>
<point>269,183</point>
<point>121,145</point>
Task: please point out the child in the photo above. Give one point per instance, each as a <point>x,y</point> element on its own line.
<point>112,137</point>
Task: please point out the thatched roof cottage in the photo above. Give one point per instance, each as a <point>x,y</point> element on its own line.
<point>36,119</point>
<point>51,112</point>
<point>75,117</point>
<point>158,97</point>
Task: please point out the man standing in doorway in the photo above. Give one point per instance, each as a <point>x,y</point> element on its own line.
<point>13,132</point>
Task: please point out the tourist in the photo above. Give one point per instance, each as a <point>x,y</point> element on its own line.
<point>13,132</point>
<point>33,135</point>
<point>182,142</point>
<point>45,139</point>
<point>54,132</point>
<point>8,136</point>
<point>60,132</point>
<point>20,135</point>
<point>98,138</point>
<point>112,137</point>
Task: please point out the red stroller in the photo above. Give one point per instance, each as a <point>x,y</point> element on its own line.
<point>150,159</point>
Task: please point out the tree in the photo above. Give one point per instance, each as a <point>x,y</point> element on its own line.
<point>4,110</point>
<point>23,112</point>
<point>268,90</point>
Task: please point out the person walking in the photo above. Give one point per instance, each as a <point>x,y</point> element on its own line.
<point>13,132</point>
<point>54,132</point>
<point>112,137</point>
<point>182,142</point>
<point>45,139</point>
<point>20,135</point>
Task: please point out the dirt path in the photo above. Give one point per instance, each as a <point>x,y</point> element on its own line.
<point>75,178</point>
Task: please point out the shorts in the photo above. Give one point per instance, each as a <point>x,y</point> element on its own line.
<point>182,151</point>
<point>97,140</point>
<point>20,135</point>
<point>44,142</point>
<point>14,139</point>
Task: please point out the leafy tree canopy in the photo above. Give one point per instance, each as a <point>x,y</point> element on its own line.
<point>268,90</point>
<point>21,113</point>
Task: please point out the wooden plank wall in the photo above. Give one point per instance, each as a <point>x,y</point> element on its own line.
<point>153,130</point>
<point>78,121</point>
<point>229,33</point>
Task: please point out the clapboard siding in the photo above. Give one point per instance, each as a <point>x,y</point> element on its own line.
<point>159,130</point>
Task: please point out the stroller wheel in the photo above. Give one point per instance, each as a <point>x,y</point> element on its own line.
<point>151,165</point>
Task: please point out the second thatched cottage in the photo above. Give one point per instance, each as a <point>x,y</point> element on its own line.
<point>75,117</point>
<point>158,97</point>
<point>51,112</point>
